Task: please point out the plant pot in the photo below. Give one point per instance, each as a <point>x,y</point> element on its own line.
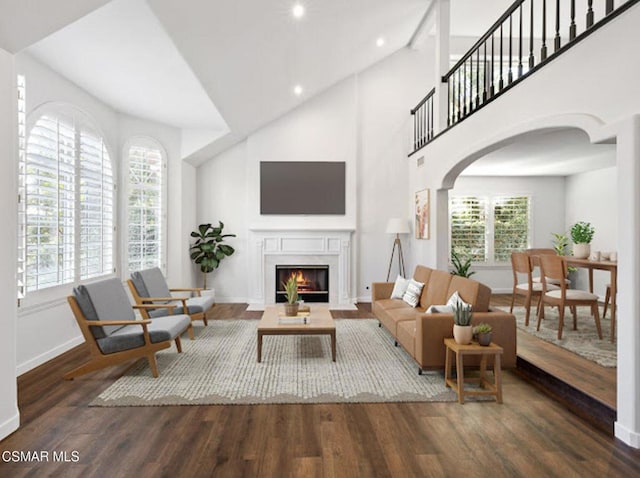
<point>291,310</point>
<point>581,251</point>
<point>484,339</point>
<point>463,334</point>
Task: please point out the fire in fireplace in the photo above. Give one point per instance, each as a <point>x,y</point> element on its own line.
<point>313,282</point>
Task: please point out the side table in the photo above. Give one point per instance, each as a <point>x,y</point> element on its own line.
<point>487,388</point>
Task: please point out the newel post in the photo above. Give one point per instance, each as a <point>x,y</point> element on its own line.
<point>441,100</point>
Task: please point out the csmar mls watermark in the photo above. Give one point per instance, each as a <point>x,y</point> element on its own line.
<point>44,456</point>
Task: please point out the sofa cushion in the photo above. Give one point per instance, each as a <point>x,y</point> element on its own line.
<point>471,291</point>
<point>400,287</point>
<point>388,304</point>
<point>437,288</point>
<point>423,274</point>
<point>412,295</point>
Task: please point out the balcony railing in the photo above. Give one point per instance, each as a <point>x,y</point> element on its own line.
<point>530,34</point>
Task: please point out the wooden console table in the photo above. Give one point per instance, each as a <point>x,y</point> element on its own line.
<point>612,267</point>
<point>473,348</point>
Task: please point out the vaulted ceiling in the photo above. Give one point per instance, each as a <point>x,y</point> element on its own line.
<point>218,69</point>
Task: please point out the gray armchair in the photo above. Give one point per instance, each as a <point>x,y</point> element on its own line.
<point>109,326</point>
<point>149,287</point>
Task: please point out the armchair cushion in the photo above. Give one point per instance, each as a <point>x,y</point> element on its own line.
<point>191,309</point>
<point>132,336</point>
<point>153,282</point>
<point>104,300</point>
<point>205,302</point>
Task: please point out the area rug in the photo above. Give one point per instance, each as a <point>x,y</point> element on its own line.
<point>220,367</point>
<point>584,341</point>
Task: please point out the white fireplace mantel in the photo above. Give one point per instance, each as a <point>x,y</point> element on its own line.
<point>272,246</point>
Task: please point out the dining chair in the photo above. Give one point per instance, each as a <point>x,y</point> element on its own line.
<point>535,253</point>
<point>521,265</point>
<point>554,267</point>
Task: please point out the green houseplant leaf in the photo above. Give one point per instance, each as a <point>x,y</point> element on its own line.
<point>208,249</point>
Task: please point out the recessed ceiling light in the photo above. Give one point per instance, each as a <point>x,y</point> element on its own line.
<point>298,10</point>
<point>297,90</point>
<point>380,41</point>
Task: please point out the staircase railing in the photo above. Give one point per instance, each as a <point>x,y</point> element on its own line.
<point>516,46</point>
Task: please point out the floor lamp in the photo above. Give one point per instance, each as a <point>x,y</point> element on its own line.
<point>397,226</point>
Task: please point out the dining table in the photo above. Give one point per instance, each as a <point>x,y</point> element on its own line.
<point>610,266</point>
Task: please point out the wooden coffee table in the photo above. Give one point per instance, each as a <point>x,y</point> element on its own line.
<point>319,322</point>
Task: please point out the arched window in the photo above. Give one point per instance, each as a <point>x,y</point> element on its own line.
<point>146,167</point>
<point>66,201</point>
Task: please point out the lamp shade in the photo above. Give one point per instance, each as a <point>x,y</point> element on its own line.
<point>398,225</point>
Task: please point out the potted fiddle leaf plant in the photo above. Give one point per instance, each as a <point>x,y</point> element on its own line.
<point>462,328</point>
<point>209,248</point>
<point>582,235</point>
<point>291,293</point>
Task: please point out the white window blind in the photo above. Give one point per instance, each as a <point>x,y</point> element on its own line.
<point>510,226</point>
<point>68,203</point>
<point>468,217</point>
<point>145,213</point>
<point>489,228</point>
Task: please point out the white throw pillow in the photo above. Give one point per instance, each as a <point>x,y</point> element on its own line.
<point>440,309</point>
<point>456,299</point>
<point>400,287</point>
<point>412,295</point>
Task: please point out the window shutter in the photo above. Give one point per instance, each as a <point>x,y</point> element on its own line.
<point>468,226</point>
<point>145,210</point>
<point>96,207</point>
<point>511,226</point>
<point>66,203</point>
<point>50,203</point>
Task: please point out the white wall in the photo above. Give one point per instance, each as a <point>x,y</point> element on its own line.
<point>9,414</point>
<point>46,327</point>
<point>591,197</point>
<point>547,214</point>
<point>363,121</point>
<point>574,90</point>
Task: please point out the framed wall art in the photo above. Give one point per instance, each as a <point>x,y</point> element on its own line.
<point>422,214</point>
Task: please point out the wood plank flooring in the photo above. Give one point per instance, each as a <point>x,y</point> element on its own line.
<point>529,435</point>
<point>590,378</point>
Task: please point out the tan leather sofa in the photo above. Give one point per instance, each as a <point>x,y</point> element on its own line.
<point>422,334</point>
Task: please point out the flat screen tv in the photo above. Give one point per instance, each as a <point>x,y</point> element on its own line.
<point>304,187</point>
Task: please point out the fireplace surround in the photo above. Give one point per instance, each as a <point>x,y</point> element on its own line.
<point>269,248</point>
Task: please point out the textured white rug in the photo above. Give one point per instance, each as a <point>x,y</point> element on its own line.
<point>584,341</point>
<point>220,367</point>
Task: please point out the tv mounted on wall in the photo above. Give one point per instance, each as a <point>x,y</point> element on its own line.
<point>302,187</point>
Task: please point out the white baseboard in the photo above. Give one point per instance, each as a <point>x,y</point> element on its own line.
<point>630,437</point>
<point>366,298</point>
<point>48,355</point>
<point>11,425</point>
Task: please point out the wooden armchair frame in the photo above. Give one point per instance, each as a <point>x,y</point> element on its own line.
<point>99,360</point>
<point>150,303</point>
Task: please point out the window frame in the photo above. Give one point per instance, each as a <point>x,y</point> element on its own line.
<point>82,122</point>
<point>151,143</point>
<point>490,201</point>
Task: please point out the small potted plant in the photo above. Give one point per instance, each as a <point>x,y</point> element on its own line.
<point>462,328</point>
<point>291,293</point>
<point>483,333</point>
<point>461,266</point>
<point>581,235</point>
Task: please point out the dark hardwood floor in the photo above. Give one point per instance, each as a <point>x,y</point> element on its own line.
<point>529,435</point>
